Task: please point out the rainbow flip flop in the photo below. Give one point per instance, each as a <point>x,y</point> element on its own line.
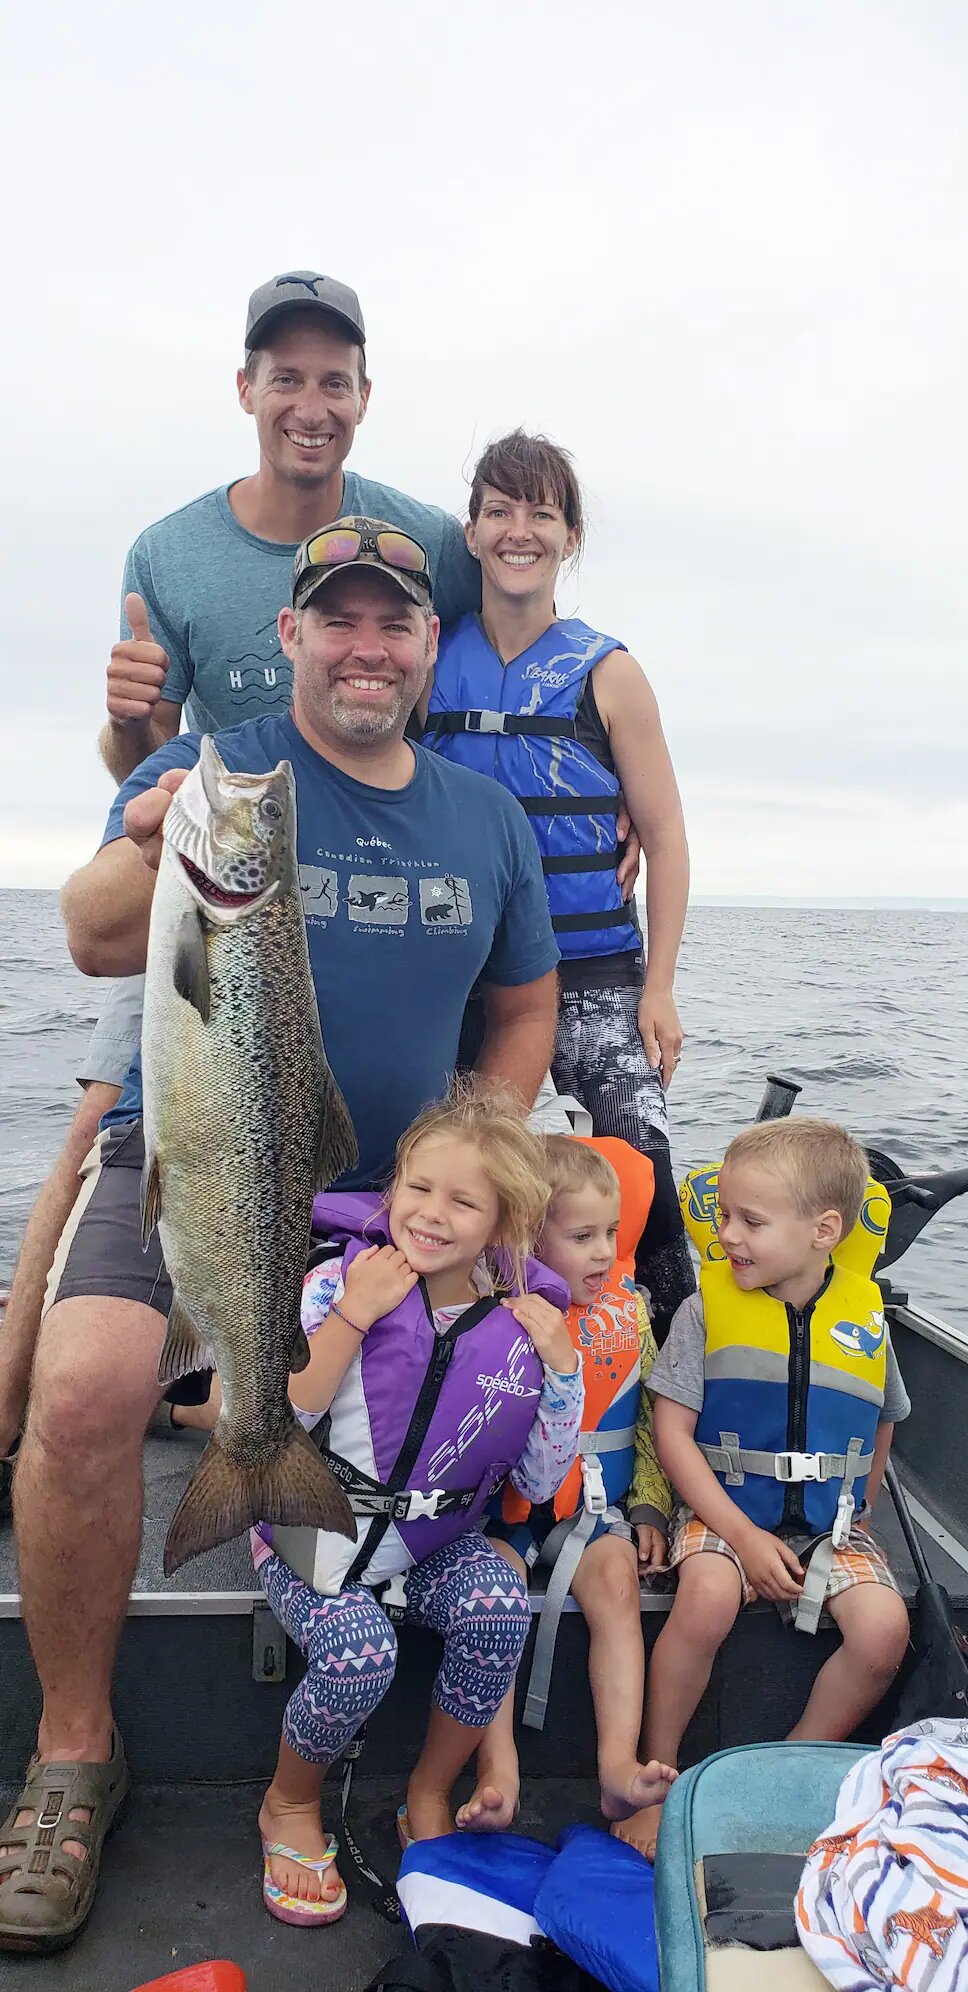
<point>288,1908</point>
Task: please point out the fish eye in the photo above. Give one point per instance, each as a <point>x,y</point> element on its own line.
<point>271,809</point>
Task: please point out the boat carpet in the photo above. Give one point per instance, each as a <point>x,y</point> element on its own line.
<point>181,1883</point>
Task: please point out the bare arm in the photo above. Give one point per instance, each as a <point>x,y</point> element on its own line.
<point>519,1033</point>
<point>630,714</point>
<point>139,718</point>
<point>124,744</point>
<point>107,904</point>
<point>875,1479</point>
<point>376,1282</point>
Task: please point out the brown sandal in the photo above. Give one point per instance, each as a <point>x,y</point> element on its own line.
<point>46,1895</point>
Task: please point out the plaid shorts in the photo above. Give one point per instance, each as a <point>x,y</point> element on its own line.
<point>861,1561</point>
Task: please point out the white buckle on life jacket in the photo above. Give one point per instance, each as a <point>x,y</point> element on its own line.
<point>487,722</point>
<point>593,1484</point>
<point>419,1505</point>
<point>794,1466</point>
<point>840,1533</point>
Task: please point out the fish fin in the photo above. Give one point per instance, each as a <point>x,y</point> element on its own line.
<point>150,1197</point>
<point>183,1349</point>
<point>191,966</point>
<point>299,1360</point>
<point>223,1499</point>
<point>337,1140</point>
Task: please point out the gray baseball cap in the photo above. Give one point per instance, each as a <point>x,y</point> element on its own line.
<point>302,290</point>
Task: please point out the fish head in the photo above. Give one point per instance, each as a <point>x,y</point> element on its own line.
<point>233,836</point>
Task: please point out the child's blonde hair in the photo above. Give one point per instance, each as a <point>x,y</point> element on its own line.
<point>573,1165</point>
<point>820,1164</point>
<point>491,1120</point>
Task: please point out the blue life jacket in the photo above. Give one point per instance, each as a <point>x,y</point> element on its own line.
<point>530,725</point>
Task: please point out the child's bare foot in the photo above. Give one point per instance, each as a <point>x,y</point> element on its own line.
<point>491,1808</point>
<point>641,1831</point>
<point>299,1827</point>
<point>631,1788</point>
<point>428,1811</point>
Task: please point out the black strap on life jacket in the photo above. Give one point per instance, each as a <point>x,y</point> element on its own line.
<point>398,1479</point>
<point>484,721</point>
<point>371,1497</point>
<point>576,923</point>
<point>590,861</point>
<point>374,1888</point>
<point>571,805</point>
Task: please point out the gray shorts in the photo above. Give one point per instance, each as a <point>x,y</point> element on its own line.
<point>117,1033</point>
<point>99,1250</point>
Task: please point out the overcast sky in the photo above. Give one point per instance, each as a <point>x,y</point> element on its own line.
<point>717,249</point>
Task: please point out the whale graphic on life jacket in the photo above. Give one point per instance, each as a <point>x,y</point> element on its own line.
<point>860,1341</point>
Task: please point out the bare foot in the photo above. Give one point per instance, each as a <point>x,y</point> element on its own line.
<point>641,1831</point>
<point>428,1811</point>
<point>300,1827</point>
<point>630,1788</point>
<point>488,1810</point>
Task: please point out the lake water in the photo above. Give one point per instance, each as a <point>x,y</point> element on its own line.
<point>868,1010</point>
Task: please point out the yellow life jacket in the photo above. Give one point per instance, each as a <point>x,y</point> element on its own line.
<point>858,1252</point>
<point>773,1375</point>
<point>792,1398</point>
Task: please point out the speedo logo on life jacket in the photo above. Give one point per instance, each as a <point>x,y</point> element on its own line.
<point>506,1383</point>
<point>858,1340</point>
<point>510,1382</point>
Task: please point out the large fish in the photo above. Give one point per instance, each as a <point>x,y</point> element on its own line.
<point>243,1122</point>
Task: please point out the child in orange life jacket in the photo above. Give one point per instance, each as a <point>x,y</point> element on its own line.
<point>595,1217</point>
<point>781,1361</point>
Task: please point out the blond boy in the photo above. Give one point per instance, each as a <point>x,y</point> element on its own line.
<point>818,1361</point>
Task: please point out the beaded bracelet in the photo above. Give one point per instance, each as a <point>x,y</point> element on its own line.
<point>345,1317</point>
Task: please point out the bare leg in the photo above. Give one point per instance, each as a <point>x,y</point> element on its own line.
<point>21,1322</point>
<point>493,1803</point>
<point>290,1815</point>
<point>448,1747</point>
<point>875,1628</point>
<point>704,1609</point>
<point>606,1586</point>
<point>77,1504</point>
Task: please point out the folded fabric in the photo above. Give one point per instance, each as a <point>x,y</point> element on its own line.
<point>884,1895</point>
<point>468,1900</point>
<point>595,1902</point>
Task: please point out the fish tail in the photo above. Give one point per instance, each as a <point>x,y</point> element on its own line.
<point>223,1499</point>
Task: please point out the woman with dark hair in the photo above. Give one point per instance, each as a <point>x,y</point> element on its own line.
<point>566,719</point>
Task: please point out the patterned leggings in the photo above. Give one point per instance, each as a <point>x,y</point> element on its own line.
<point>465,1592</point>
<point>599,1056</point>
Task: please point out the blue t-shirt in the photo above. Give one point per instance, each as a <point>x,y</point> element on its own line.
<point>410,895</point>
<point>213,593</point>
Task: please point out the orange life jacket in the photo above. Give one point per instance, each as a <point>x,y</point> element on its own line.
<point>606,1337</point>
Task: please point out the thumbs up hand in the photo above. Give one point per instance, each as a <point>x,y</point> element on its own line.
<point>137,669</point>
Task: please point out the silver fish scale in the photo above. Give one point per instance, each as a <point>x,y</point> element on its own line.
<point>234,1111</point>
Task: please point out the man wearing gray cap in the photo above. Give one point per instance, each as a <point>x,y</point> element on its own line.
<point>201,593</point>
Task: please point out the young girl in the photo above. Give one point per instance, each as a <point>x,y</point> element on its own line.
<point>566,719</point>
<point>437,1389</point>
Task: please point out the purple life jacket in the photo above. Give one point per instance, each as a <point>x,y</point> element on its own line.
<point>424,1427</point>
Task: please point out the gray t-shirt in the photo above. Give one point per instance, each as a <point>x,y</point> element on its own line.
<point>213,592</point>
<point>679,1373</point>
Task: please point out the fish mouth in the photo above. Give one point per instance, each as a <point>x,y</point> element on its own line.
<point>216,895</point>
